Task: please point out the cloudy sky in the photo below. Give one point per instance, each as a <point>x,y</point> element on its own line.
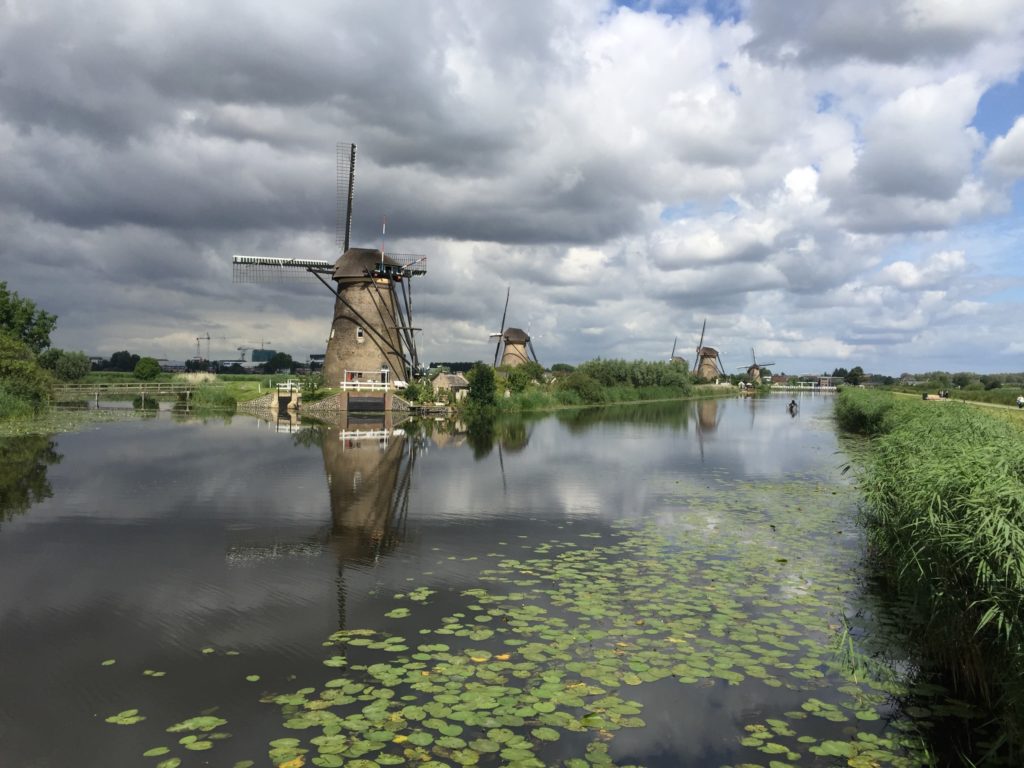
<point>829,182</point>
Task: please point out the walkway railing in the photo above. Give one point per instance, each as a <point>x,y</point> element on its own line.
<point>80,391</point>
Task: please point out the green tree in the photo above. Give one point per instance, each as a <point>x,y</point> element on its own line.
<point>279,362</point>
<point>962,379</point>
<point>20,375</point>
<point>562,368</point>
<point>21,320</point>
<point>481,384</point>
<point>855,376</point>
<point>518,379</point>
<point>123,361</point>
<point>72,366</point>
<point>147,369</point>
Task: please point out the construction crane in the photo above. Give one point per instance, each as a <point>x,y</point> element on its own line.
<point>242,351</point>
<point>199,339</point>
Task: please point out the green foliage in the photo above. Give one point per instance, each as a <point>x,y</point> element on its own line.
<point>72,366</point>
<point>312,387</point>
<point>421,391</point>
<point>944,485</point>
<point>21,376</point>
<point>865,411</point>
<point>12,406</point>
<point>123,361</point>
<point>23,321</point>
<point>517,380</point>
<point>855,375</point>
<point>65,366</point>
<point>562,368</point>
<point>147,369</point>
<point>638,373</point>
<point>481,385</point>
<point>586,388</point>
<point>281,361</point>
<point>212,396</point>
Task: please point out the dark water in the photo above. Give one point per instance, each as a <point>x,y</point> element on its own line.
<point>714,536</point>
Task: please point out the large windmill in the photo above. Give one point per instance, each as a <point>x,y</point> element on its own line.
<point>372,337</point>
<point>707,365</point>
<point>518,348</point>
<point>754,369</point>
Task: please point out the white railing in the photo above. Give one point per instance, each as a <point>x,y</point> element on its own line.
<point>364,434</point>
<point>365,386</point>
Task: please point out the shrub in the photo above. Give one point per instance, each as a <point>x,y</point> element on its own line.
<point>147,369</point>
<point>481,385</point>
<point>20,375</point>
<point>584,386</point>
<point>72,366</point>
<point>12,406</point>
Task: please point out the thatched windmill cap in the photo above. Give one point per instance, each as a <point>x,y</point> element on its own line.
<point>516,336</point>
<point>708,352</point>
<point>356,262</point>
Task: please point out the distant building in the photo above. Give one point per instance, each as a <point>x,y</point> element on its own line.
<point>452,382</point>
<point>171,366</point>
<point>263,355</point>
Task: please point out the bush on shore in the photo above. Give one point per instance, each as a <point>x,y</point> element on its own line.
<point>26,386</point>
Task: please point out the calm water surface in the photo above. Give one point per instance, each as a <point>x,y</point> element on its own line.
<point>694,559</point>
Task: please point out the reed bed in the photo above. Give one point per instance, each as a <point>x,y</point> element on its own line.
<point>944,489</point>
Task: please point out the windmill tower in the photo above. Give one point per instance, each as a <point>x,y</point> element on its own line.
<point>707,365</point>
<point>754,369</point>
<point>372,338</point>
<point>518,348</point>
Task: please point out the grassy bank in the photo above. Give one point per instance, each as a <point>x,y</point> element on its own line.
<point>944,489</point>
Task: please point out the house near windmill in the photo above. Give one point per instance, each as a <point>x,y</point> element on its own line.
<point>455,383</point>
<point>371,346</point>
<point>514,344</point>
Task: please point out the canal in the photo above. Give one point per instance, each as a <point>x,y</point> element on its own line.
<point>673,584</point>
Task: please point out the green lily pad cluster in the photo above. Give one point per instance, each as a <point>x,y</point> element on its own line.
<point>548,647</point>
<point>550,653</point>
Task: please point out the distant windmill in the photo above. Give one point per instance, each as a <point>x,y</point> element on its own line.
<point>518,348</point>
<point>707,365</point>
<point>754,369</point>
<point>673,358</point>
<point>372,336</point>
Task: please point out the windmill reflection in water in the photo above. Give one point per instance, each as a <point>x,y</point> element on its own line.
<point>369,461</point>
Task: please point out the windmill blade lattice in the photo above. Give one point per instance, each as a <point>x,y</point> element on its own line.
<point>267,269</point>
<point>501,330</point>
